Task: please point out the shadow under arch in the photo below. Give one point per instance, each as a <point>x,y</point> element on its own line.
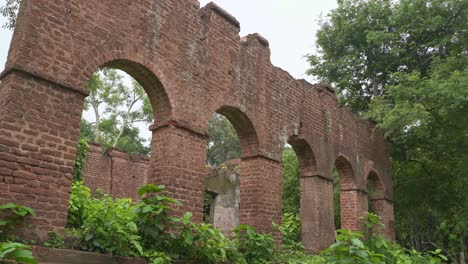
<point>305,154</point>
<point>375,192</point>
<point>244,128</point>
<point>346,173</point>
<point>375,186</point>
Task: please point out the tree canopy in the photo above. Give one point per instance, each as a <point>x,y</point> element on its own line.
<point>403,64</point>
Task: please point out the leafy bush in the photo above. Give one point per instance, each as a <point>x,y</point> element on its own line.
<point>79,199</point>
<point>16,252</point>
<point>152,218</point>
<point>290,230</point>
<point>11,215</point>
<point>254,246</point>
<point>109,227</point>
<point>55,240</point>
<point>351,247</point>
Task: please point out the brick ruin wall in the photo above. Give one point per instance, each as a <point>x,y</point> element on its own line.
<point>115,172</point>
<point>192,63</point>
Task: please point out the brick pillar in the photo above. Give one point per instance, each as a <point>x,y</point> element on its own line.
<point>39,130</point>
<point>317,228</point>
<point>384,209</point>
<point>353,205</point>
<point>260,192</point>
<point>178,161</point>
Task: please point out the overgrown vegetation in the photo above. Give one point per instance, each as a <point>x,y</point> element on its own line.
<point>12,216</point>
<point>121,227</point>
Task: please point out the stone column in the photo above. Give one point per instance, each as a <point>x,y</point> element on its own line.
<point>177,161</point>
<point>260,192</point>
<point>39,131</point>
<point>353,205</point>
<point>317,228</point>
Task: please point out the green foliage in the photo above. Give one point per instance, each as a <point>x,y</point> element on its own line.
<point>109,227</point>
<point>10,10</point>
<point>200,242</point>
<point>354,247</point>
<point>80,198</point>
<point>152,217</point>
<point>117,107</point>
<point>291,184</point>
<point>362,43</point>
<point>404,65</point>
<point>80,161</point>
<point>290,230</point>
<point>11,251</point>
<point>55,240</point>
<point>223,144</point>
<point>12,215</point>
<point>254,246</point>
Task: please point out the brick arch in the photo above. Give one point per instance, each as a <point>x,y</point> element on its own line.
<point>133,61</point>
<point>245,129</point>
<point>374,185</point>
<point>378,203</point>
<point>200,61</point>
<point>305,154</point>
<point>353,202</point>
<point>346,172</point>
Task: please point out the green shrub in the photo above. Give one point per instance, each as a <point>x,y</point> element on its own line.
<point>201,242</point>
<point>152,217</point>
<point>290,230</point>
<point>351,247</point>
<point>12,215</point>
<point>54,241</point>
<point>109,227</point>
<point>79,199</point>
<point>11,251</point>
<point>254,246</point>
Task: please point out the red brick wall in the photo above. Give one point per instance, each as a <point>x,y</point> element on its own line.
<point>192,63</point>
<point>115,172</point>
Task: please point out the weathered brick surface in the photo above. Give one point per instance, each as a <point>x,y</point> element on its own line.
<point>192,63</point>
<point>115,172</point>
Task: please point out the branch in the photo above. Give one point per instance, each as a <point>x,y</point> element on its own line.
<point>423,165</point>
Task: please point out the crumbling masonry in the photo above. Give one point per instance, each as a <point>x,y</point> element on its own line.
<point>192,63</point>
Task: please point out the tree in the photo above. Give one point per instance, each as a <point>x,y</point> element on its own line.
<point>363,43</point>
<point>223,144</point>
<point>117,107</point>
<point>9,11</point>
<point>404,65</point>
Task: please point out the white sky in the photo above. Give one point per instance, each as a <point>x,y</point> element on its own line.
<point>289,26</point>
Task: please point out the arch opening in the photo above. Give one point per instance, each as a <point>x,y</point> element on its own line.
<point>344,195</point>
<point>222,184</point>
<point>113,154</point>
<point>375,192</point>
<point>300,193</point>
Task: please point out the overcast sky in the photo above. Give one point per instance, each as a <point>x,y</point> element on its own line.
<point>289,26</point>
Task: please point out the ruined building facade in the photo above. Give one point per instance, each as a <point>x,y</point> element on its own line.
<point>192,63</point>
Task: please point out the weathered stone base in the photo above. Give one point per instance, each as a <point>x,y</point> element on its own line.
<point>55,256</point>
